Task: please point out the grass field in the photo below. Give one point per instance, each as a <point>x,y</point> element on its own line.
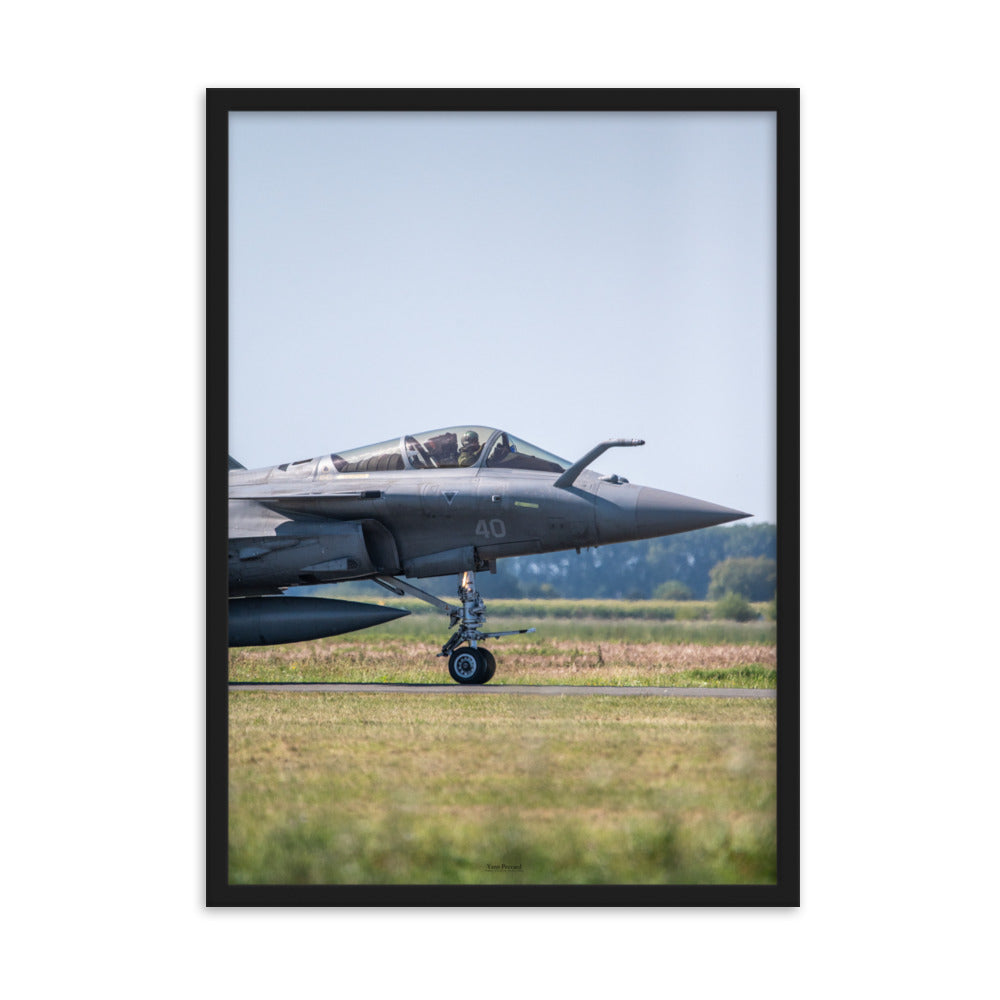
<point>376,788</point>
<point>615,651</point>
<point>402,788</point>
<point>578,608</point>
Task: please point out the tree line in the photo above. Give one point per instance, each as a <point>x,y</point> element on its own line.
<point>706,564</point>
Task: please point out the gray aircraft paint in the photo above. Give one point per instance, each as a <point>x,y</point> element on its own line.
<point>377,512</point>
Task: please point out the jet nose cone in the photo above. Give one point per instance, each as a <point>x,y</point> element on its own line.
<point>660,513</point>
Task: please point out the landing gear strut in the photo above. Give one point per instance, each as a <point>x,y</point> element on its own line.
<point>474,664</point>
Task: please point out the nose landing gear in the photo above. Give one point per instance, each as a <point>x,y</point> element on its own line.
<point>471,664</point>
<point>468,618</point>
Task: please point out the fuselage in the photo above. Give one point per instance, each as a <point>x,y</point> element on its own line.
<point>329,519</point>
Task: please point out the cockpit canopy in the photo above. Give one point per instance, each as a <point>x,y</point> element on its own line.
<point>465,446</point>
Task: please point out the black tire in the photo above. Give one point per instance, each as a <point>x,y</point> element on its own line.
<point>491,664</point>
<point>468,666</point>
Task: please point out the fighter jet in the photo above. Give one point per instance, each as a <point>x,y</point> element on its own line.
<point>449,501</point>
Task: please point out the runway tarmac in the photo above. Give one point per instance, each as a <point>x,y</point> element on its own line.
<point>473,689</point>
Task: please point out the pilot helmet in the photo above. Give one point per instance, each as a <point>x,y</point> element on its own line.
<point>470,438</point>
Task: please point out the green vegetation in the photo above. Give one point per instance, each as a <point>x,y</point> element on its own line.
<point>694,611</point>
<point>672,590</point>
<point>619,649</point>
<point>435,789</point>
<point>582,611</point>
<point>382,788</point>
<point>734,607</point>
<point>527,659</point>
<point>752,579</point>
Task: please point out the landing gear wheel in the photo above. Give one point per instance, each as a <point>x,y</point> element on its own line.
<point>491,664</point>
<point>468,666</point>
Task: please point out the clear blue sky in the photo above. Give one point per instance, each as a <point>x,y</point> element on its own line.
<point>568,277</point>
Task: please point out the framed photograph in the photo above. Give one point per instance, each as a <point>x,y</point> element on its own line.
<point>502,395</point>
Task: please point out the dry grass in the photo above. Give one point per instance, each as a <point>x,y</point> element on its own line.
<point>526,660</point>
<point>433,627</point>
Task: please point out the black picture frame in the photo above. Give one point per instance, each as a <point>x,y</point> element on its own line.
<point>785,104</point>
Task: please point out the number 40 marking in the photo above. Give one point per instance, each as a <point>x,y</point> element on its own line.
<point>494,528</point>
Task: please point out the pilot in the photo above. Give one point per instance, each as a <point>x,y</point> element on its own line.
<point>468,454</point>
